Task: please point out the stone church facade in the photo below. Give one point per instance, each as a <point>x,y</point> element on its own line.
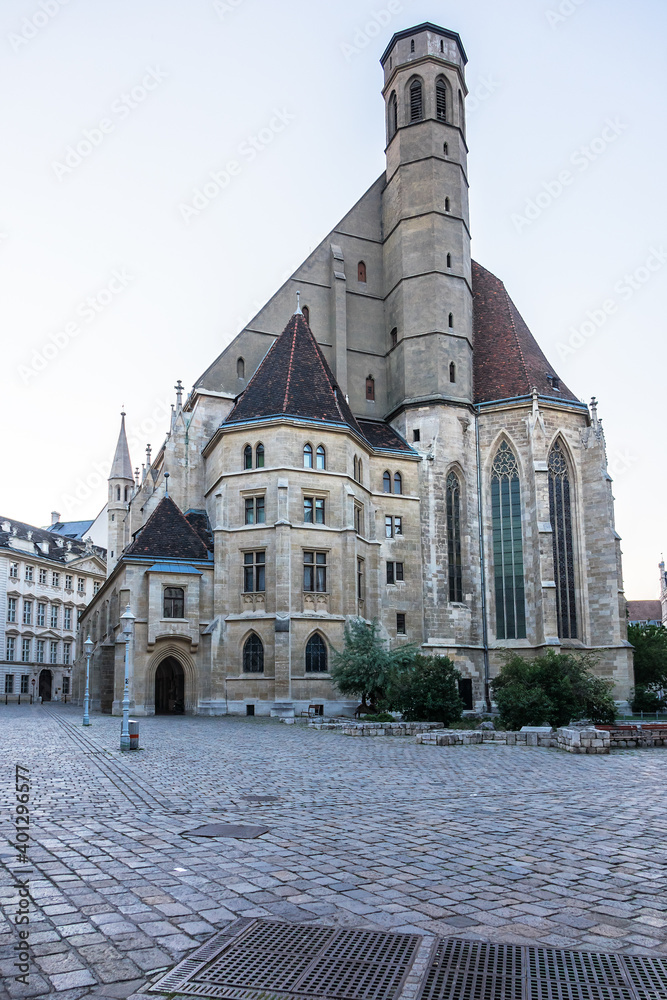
<point>401,451</point>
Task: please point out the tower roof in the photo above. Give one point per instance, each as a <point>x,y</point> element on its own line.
<point>294,380</point>
<point>168,534</point>
<point>122,466</point>
<point>425,26</point>
<point>507,360</point>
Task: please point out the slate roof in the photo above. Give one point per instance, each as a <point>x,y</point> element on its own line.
<point>45,544</point>
<point>294,380</point>
<point>383,436</point>
<point>507,360</point>
<point>644,611</point>
<point>71,529</point>
<point>167,534</point>
<point>198,519</point>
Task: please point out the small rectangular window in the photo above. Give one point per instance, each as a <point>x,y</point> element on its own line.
<point>14,570</point>
<point>390,572</point>
<point>53,653</point>
<point>11,609</point>
<point>416,434</point>
<point>67,657</point>
<point>9,683</point>
<point>68,581</point>
<point>173,602</point>
<point>360,579</point>
<point>388,527</point>
<point>319,511</point>
<point>254,572</point>
<point>11,646</point>
<point>81,584</point>
<point>400,623</point>
<point>67,619</point>
<point>96,587</point>
<point>42,576</point>
<point>308,510</point>
<point>27,612</point>
<point>358,519</point>
<point>30,573</point>
<point>66,682</point>
<point>41,614</point>
<point>54,616</point>
<point>399,571</point>
<point>250,510</point>
<point>315,572</point>
<point>55,580</point>
<point>398,526</point>
<point>25,680</point>
<point>40,651</point>
<point>25,650</point>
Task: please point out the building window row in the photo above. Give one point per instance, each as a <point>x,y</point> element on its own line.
<point>42,648</point>
<point>316,659</point>
<point>29,576</point>
<point>40,613</point>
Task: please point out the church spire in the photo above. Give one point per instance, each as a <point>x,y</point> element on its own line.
<point>121,467</point>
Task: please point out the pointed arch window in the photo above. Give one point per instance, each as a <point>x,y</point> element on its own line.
<point>398,482</point>
<point>454,570</point>
<point>386,482</point>
<point>320,457</point>
<point>306,314</point>
<point>393,115</point>
<point>412,45</point>
<point>416,101</point>
<point>370,388</point>
<point>452,372</point>
<point>450,320</point>
<point>560,515</point>
<point>118,493</point>
<point>441,101</point>
<point>507,545</point>
<point>462,120</point>
<point>259,456</point>
<point>247,457</point>
<point>308,456</point>
<point>393,336</point>
<point>449,260</point>
<point>240,368</point>
<point>361,272</point>
<point>316,655</point>
<point>446,204</point>
<point>253,655</point>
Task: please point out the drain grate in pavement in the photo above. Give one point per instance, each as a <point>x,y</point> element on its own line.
<point>575,975</point>
<point>272,960</point>
<point>473,970</point>
<point>236,830</point>
<point>647,975</point>
<point>260,798</point>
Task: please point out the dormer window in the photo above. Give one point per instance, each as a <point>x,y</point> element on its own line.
<point>554,382</point>
<point>370,388</point>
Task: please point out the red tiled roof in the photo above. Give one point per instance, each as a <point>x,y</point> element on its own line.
<point>382,435</point>
<point>295,380</point>
<point>507,360</point>
<point>167,534</point>
<point>644,611</point>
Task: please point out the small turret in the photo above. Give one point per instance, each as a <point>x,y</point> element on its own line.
<point>121,490</point>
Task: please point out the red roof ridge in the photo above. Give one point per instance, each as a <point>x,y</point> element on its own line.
<point>508,302</point>
<point>290,368</point>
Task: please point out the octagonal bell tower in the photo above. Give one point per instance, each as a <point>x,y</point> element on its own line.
<point>428,293</point>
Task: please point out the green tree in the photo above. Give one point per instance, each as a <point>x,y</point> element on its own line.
<point>650,661</point>
<point>365,664</point>
<point>426,690</point>
<point>554,688</point>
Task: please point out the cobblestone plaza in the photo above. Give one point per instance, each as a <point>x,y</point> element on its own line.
<point>504,844</point>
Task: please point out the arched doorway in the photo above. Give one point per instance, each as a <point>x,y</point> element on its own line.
<point>45,681</point>
<point>169,687</point>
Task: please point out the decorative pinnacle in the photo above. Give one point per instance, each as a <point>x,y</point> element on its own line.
<point>179,392</point>
<point>166,484</point>
<point>298,304</point>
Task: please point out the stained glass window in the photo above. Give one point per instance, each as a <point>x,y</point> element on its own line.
<point>454,538</point>
<point>560,515</point>
<point>507,546</point>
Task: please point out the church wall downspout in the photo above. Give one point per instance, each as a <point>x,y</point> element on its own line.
<point>485,632</point>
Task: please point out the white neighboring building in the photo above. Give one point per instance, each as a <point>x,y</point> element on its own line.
<point>46,580</point>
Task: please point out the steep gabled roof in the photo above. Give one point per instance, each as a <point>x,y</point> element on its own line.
<point>167,534</point>
<point>644,611</point>
<point>293,380</point>
<point>122,466</point>
<point>507,360</point>
<point>383,436</point>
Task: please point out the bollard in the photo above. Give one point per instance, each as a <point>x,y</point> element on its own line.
<point>133,728</point>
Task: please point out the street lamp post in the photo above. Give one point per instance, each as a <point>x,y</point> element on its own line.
<point>128,618</point>
<point>88,646</point>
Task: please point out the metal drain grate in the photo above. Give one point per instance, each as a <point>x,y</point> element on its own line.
<point>272,960</point>
<point>473,970</point>
<point>236,830</point>
<point>647,975</point>
<point>575,975</point>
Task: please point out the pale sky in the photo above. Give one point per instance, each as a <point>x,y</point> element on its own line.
<point>566,112</point>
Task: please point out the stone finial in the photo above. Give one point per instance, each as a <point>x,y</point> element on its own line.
<point>179,393</point>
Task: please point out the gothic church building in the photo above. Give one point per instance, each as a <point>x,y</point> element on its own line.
<point>401,451</point>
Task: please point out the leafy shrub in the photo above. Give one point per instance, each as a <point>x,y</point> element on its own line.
<point>646,699</point>
<point>552,689</point>
<point>364,666</point>
<point>382,717</point>
<point>425,689</point>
